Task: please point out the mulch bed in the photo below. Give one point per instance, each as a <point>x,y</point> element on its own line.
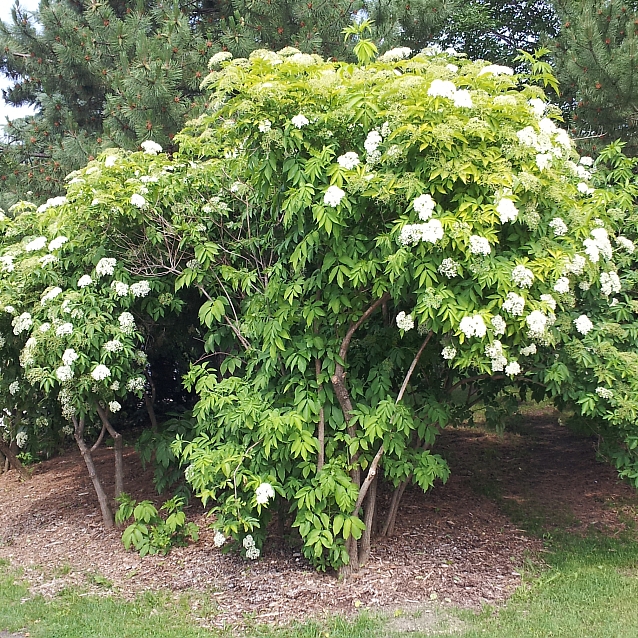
<point>454,545</point>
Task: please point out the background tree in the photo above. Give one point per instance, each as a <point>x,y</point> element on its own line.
<point>496,29</point>
<point>116,73</point>
<point>596,57</point>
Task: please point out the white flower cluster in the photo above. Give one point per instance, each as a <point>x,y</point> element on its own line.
<point>7,263</point>
<point>100,373</point>
<point>69,357</point>
<point>529,350</point>
<point>252,552</point>
<point>66,400</point>
<point>495,353</point>
<point>348,160</point>
<point>45,260</point>
<point>371,144</point>
<point>431,232</point>
<point>36,244</point>
<point>558,226</point>
<point>522,277</point>
<point>585,189</point>
<point>512,368</point>
<point>514,304</point>
<point>121,289</point>
<point>140,358</point>
<point>58,242</point>
<point>333,196</point>
<point>27,357</point>
<point>136,384</point>
<point>583,324</point>
<point>404,322</point>
<point>536,322</point>
<point>448,353</point>
<point>114,406</point>
<point>84,281</point>
<point>479,245</point>
<point>21,439</point>
<point>473,326</point>
<point>64,373</point>
<point>114,345</point>
<point>496,69</point>
<point>507,211</point>
<point>52,202</point>
<point>562,286</point>
<point>64,329</point>
<point>264,492</point>
<point>150,147</point>
<point>14,388</point>
<point>394,55</point>
<point>424,206</point>
<point>22,323</point>
<point>110,161</point>
<point>599,245</point>
<point>584,285</point>
<point>218,58</point>
<point>300,121</point>
<point>576,265</point>
<point>604,393</point>
<point>449,268</point>
<point>51,294</point>
<point>538,107</point>
<point>625,243</point>
<point>462,98</point>
<point>138,200</point>
<point>498,325</point>
<point>264,126</point>
<point>140,289</point>
<point>127,323</point>
<point>106,266</point>
<point>550,301</point>
<point>542,142</point>
<point>218,539</point>
<point>609,283</point>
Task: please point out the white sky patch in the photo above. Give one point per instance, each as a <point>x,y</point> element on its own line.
<point>5,16</point>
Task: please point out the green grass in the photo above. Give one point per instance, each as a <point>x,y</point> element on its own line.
<point>588,589</point>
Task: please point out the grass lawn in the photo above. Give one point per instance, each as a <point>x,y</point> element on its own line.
<point>589,590</point>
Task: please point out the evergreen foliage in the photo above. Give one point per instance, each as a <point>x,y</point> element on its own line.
<point>100,74</point>
<point>596,55</point>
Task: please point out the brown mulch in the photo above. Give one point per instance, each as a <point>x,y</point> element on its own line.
<point>454,545</point>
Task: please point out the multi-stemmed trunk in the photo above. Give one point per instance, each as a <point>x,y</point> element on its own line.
<point>359,552</point>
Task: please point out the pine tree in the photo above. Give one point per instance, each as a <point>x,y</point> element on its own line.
<point>596,56</point>
<point>99,74</point>
<point>109,72</point>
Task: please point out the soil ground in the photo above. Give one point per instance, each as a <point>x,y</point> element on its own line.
<point>459,544</point>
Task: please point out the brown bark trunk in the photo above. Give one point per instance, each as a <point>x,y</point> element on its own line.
<point>339,381</point>
<point>2,459</point>
<point>118,449</point>
<point>371,502</point>
<point>391,518</point>
<point>150,408</point>
<point>149,400</point>
<point>107,515</point>
<point>343,396</point>
<point>6,464</point>
<point>12,459</point>
<point>321,428</point>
